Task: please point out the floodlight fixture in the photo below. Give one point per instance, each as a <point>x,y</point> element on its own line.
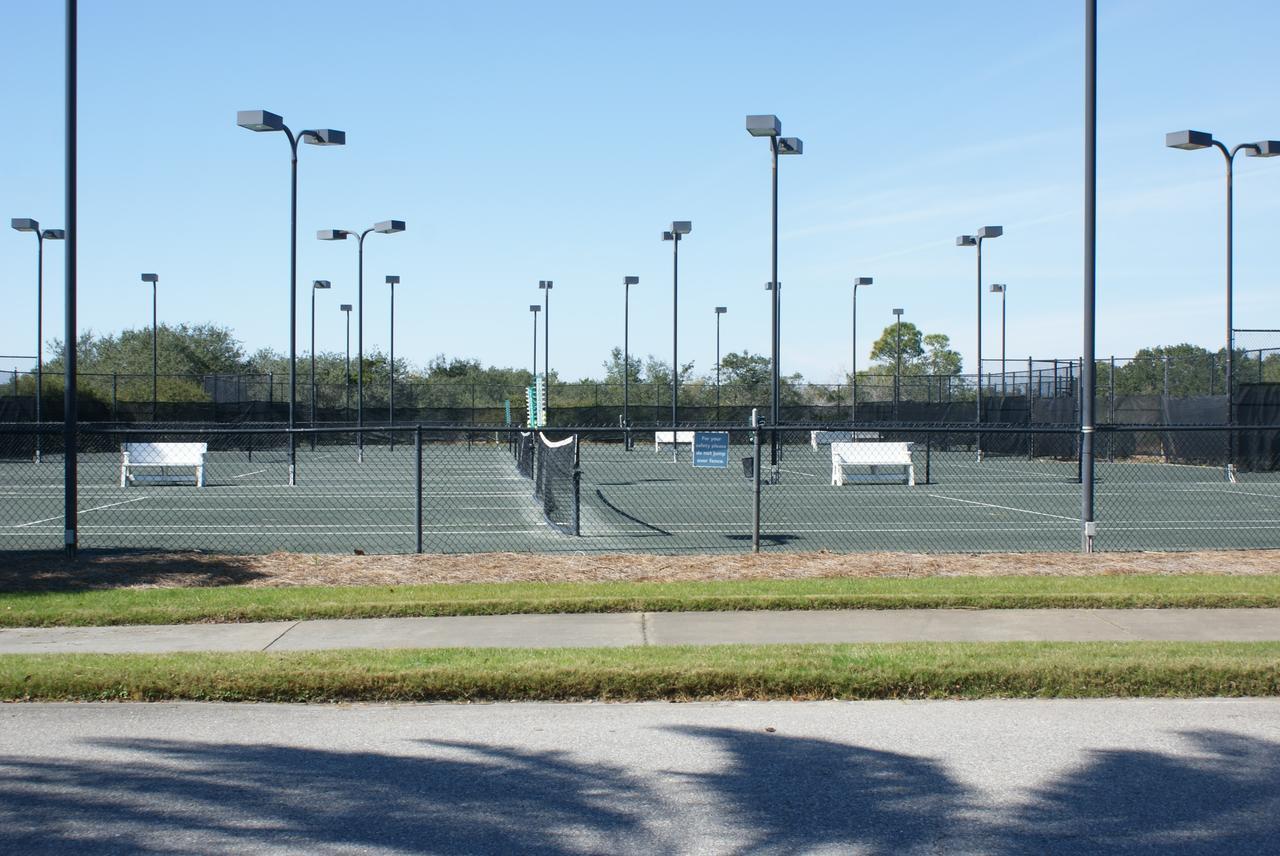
<point>544,283</point>
<point>259,120</point>
<point>344,307</point>
<point>392,279</point>
<point>1188,140</point>
<point>535,307</point>
<point>25,224</point>
<point>667,236</point>
<point>997,288</point>
<point>319,283</point>
<point>631,280</point>
<point>1264,149</point>
<point>720,310</point>
<point>862,280</point>
<point>790,146</point>
<point>966,241</point>
<point>991,231</point>
<point>389,227</point>
<point>764,126</point>
<point>333,234</point>
<point>897,312</point>
<point>324,137</point>
<point>151,277</point>
<point>681,227</point>
<point>54,234</point>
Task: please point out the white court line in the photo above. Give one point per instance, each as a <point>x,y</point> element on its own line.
<point>1003,507</point>
<point>83,511</point>
<point>246,475</point>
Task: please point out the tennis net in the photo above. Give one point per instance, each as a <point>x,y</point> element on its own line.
<point>553,468</point>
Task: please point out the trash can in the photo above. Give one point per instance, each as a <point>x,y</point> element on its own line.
<point>749,467</point>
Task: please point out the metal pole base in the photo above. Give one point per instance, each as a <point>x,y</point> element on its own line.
<point>293,475</point>
<point>1087,536</point>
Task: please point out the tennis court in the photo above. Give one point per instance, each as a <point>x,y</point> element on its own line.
<point>474,499</point>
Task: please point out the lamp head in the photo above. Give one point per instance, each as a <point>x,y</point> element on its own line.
<point>544,283</point>
<point>320,284</point>
<point>997,288</point>
<point>1264,149</point>
<point>720,310</point>
<point>764,126</point>
<point>1189,140</point>
<point>768,286</point>
<point>966,241</point>
<point>862,280</point>
<point>667,236</point>
<point>54,234</point>
<point>535,307</point>
<point>324,137</point>
<point>991,231</point>
<point>333,234</point>
<point>24,224</point>
<point>151,277</point>
<point>790,146</point>
<point>389,227</point>
<point>345,307</point>
<point>682,227</point>
<point>259,120</point>
<point>631,280</point>
<point>898,312</point>
<point>392,279</point>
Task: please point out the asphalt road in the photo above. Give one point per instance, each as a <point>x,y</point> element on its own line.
<point>1119,776</point>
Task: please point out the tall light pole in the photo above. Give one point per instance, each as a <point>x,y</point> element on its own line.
<point>345,308</point>
<point>317,285</point>
<point>385,227</point>
<point>26,224</point>
<point>627,282</point>
<point>861,281</point>
<point>897,361</point>
<point>770,126</point>
<point>679,228</point>
<point>1192,140</point>
<point>545,285</point>
<point>264,120</point>
<point>534,308</point>
<point>1001,289</point>
<point>154,279</point>
<point>393,281</point>
<point>976,241</point>
<point>720,310</point>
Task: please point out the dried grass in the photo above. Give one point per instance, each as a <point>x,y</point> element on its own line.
<point>36,571</point>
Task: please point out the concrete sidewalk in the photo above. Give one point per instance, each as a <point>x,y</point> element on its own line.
<point>664,628</point>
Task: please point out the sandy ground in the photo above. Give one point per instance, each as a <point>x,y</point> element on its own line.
<point>42,571</point>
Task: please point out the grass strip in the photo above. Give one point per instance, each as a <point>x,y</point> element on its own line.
<point>241,603</point>
<point>886,671</point>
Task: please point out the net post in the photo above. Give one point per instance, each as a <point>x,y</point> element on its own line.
<point>417,481</point>
<point>577,485</point>
<point>755,480</point>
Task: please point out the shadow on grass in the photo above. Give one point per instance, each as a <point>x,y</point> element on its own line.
<point>765,793</point>
<point>103,569</point>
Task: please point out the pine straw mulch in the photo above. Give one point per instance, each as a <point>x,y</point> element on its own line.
<point>41,571</point>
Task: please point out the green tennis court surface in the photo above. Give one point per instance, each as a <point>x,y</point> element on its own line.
<point>474,500</point>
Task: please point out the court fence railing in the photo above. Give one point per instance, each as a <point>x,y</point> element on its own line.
<point>460,489</point>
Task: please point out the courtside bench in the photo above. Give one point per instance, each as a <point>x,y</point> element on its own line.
<point>664,438</point>
<point>162,457</point>
<point>894,457</point>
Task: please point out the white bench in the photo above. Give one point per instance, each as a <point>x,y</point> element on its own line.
<point>895,456</point>
<point>162,456</point>
<point>663,438</point>
<point>826,438</point>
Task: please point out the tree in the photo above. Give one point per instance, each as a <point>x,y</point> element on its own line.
<point>909,338</point>
<point>939,359</point>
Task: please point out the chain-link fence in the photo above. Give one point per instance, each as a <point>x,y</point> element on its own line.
<point>893,487</point>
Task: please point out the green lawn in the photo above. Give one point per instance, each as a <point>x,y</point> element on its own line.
<point>896,671</point>
<point>238,603</point>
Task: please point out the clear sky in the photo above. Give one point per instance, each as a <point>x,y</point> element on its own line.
<point>525,141</point>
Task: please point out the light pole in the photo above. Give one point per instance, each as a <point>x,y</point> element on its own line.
<point>897,361</point>
<point>720,310</point>
<point>264,120</point>
<point>1192,140</point>
<point>1001,289</point>
<point>386,227</point>
<point>535,309</point>
<point>679,228</point>
<point>770,126</point>
<point>26,224</point>
<point>392,281</point>
<point>154,279</point>
<point>345,308</point>
<point>862,281</point>
<point>545,285</point>
<point>976,241</point>
<point>317,285</point>
<point>627,282</point>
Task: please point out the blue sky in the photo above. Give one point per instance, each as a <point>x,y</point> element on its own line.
<point>554,141</point>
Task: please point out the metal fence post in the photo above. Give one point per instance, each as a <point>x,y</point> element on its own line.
<point>417,481</point>
<point>577,484</point>
<point>755,481</point>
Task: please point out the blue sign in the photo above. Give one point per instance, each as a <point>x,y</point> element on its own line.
<point>711,449</point>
